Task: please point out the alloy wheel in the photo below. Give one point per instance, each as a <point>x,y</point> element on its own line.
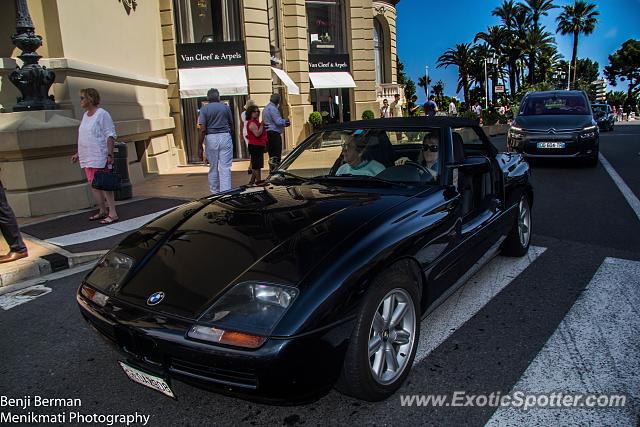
<point>392,336</point>
<point>524,222</point>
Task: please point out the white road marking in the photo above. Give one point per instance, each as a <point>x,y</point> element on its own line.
<point>595,349</point>
<point>49,277</point>
<point>106,231</point>
<point>17,298</point>
<point>469,299</point>
<point>622,186</point>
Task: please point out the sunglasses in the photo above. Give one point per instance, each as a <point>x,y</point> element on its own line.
<point>82,97</point>
<point>431,147</point>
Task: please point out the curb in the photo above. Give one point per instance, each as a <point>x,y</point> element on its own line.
<point>57,260</point>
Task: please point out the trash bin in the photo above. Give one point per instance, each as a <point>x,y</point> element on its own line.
<point>121,167</point>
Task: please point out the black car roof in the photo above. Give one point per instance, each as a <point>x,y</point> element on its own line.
<point>404,122</point>
<point>557,92</point>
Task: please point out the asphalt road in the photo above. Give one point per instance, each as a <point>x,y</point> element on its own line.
<point>583,231</point>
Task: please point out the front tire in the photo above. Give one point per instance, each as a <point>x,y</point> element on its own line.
<point>518,241</point>
<point>385,338</point>
<point>592,161</point>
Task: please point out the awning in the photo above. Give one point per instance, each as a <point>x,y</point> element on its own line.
<point>331,80</point>
<point>230,81</point>
<point>284,77</point>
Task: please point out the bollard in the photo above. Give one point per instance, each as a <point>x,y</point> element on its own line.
<point>121,167</point>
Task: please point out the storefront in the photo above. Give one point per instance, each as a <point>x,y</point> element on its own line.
<point>210,53</point>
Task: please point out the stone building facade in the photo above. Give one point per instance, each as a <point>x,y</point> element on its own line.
<point>145,57</point>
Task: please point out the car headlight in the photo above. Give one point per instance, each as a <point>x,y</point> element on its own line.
<point>110,271</point>
<point>516,132</point>
<point>94,296</point>
<point>245,315</point>
<point>589,132</point>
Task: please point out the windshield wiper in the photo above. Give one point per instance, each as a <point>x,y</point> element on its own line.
<point>366,178</point>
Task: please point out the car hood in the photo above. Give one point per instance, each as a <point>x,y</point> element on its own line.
<point>275,234</point>
<point>557,122</point>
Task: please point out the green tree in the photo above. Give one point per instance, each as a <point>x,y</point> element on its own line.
<point>511,48</point>
<point>624,64</point>
<point>576,19</point>
<point>409,89</point>
<point>438,89</point>
<point>538,8</point>
<point>495,37</point>
<point>424,83</point>
<point>401,75</point>
<point>616,98</point>
<point>536,41</point>
<point>459,56</point>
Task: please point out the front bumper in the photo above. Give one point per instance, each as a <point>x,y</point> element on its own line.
<point>574,145</point>
<point>280,371</point>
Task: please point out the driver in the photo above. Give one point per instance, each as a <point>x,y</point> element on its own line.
<point>354,163</point>
<point>429,156</point>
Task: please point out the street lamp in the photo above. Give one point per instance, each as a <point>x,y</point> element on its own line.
<point>426,80</point>
<point>32,80</point>
<point>492,60</point>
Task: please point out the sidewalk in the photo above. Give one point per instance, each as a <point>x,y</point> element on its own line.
<point>61,241</point>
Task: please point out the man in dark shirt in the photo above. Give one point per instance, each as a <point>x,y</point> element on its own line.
<point>412,106</point>
<point>216,122</point>
<point>430,107</point>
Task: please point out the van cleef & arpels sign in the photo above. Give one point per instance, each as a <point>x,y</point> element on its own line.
<point>319,63</point>
<point>214,54</point>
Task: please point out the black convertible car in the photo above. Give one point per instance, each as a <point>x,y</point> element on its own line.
<point>320,276</point>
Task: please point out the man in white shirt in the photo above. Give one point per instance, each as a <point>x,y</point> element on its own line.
<point>452,108</point>
<point>396,106</point>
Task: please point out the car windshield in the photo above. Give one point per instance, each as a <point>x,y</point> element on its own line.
<point>376,157</point>
<point>599,109</point>
<point>554,104</point>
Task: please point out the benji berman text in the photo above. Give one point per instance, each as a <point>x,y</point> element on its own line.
<point>37,401</point>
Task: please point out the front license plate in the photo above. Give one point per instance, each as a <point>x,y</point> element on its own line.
<point>148,380</point>
<point>550,144</point>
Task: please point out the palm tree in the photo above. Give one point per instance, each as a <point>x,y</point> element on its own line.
<point>548,61</point>
<point>538,8</point>
<point>476,71</point>
<point>581,17</point>
<point>438,89</point>
<point>507,14</point>
<point>534,43</point>
<point>521,25</point>
<point>495,37</point>
<point>424,82</point>
<point>459,56</point>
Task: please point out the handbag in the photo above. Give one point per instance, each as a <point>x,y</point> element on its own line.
<point>106,181</point>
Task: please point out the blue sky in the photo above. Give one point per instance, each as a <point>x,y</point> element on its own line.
<point>427,28</point>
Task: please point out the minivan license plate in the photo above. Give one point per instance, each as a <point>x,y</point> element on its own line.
<point>550,144</point>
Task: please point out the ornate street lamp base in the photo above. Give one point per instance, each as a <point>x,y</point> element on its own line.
<point>34,82</point>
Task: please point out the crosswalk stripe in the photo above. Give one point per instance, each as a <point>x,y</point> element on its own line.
<point>469,299</point>
<point>106,231</point>
<point>595,349</point>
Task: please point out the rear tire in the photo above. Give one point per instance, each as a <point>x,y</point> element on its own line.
<point>517,242</point>
<point>385,337</point>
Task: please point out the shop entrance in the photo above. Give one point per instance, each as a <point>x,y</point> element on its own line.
<point>191,109</point>
<point>333,104</point>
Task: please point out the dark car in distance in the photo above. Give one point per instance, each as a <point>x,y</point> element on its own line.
<point>320,276</point>
<point>555,124</point>
<point>603,115</point>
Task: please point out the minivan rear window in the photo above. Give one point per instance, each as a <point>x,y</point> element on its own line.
<point>554,104</point>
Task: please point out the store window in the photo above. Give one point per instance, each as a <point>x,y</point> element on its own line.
<point>325,20</point>
<point>378,49</point>
<point>203,21</point>
<point>273,19</point>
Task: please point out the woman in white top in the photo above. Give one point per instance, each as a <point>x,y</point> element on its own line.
<point>96,139</point>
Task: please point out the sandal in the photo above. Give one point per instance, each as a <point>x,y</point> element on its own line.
<point>98,216</point>
<point>109,220</point>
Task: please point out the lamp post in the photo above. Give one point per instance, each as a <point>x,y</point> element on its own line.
<point>32,80</point>
<point>492,60</point>
<point>569,77</point>
<point>426,80</point>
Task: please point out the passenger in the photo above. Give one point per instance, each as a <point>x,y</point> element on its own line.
<point>354,164</point>
<point>429,156</point>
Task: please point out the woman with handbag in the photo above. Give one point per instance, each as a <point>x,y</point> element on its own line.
<point>257,135</point>
<point>96,139</point>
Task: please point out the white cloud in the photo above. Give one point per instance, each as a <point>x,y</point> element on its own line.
<point>611,33</point>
